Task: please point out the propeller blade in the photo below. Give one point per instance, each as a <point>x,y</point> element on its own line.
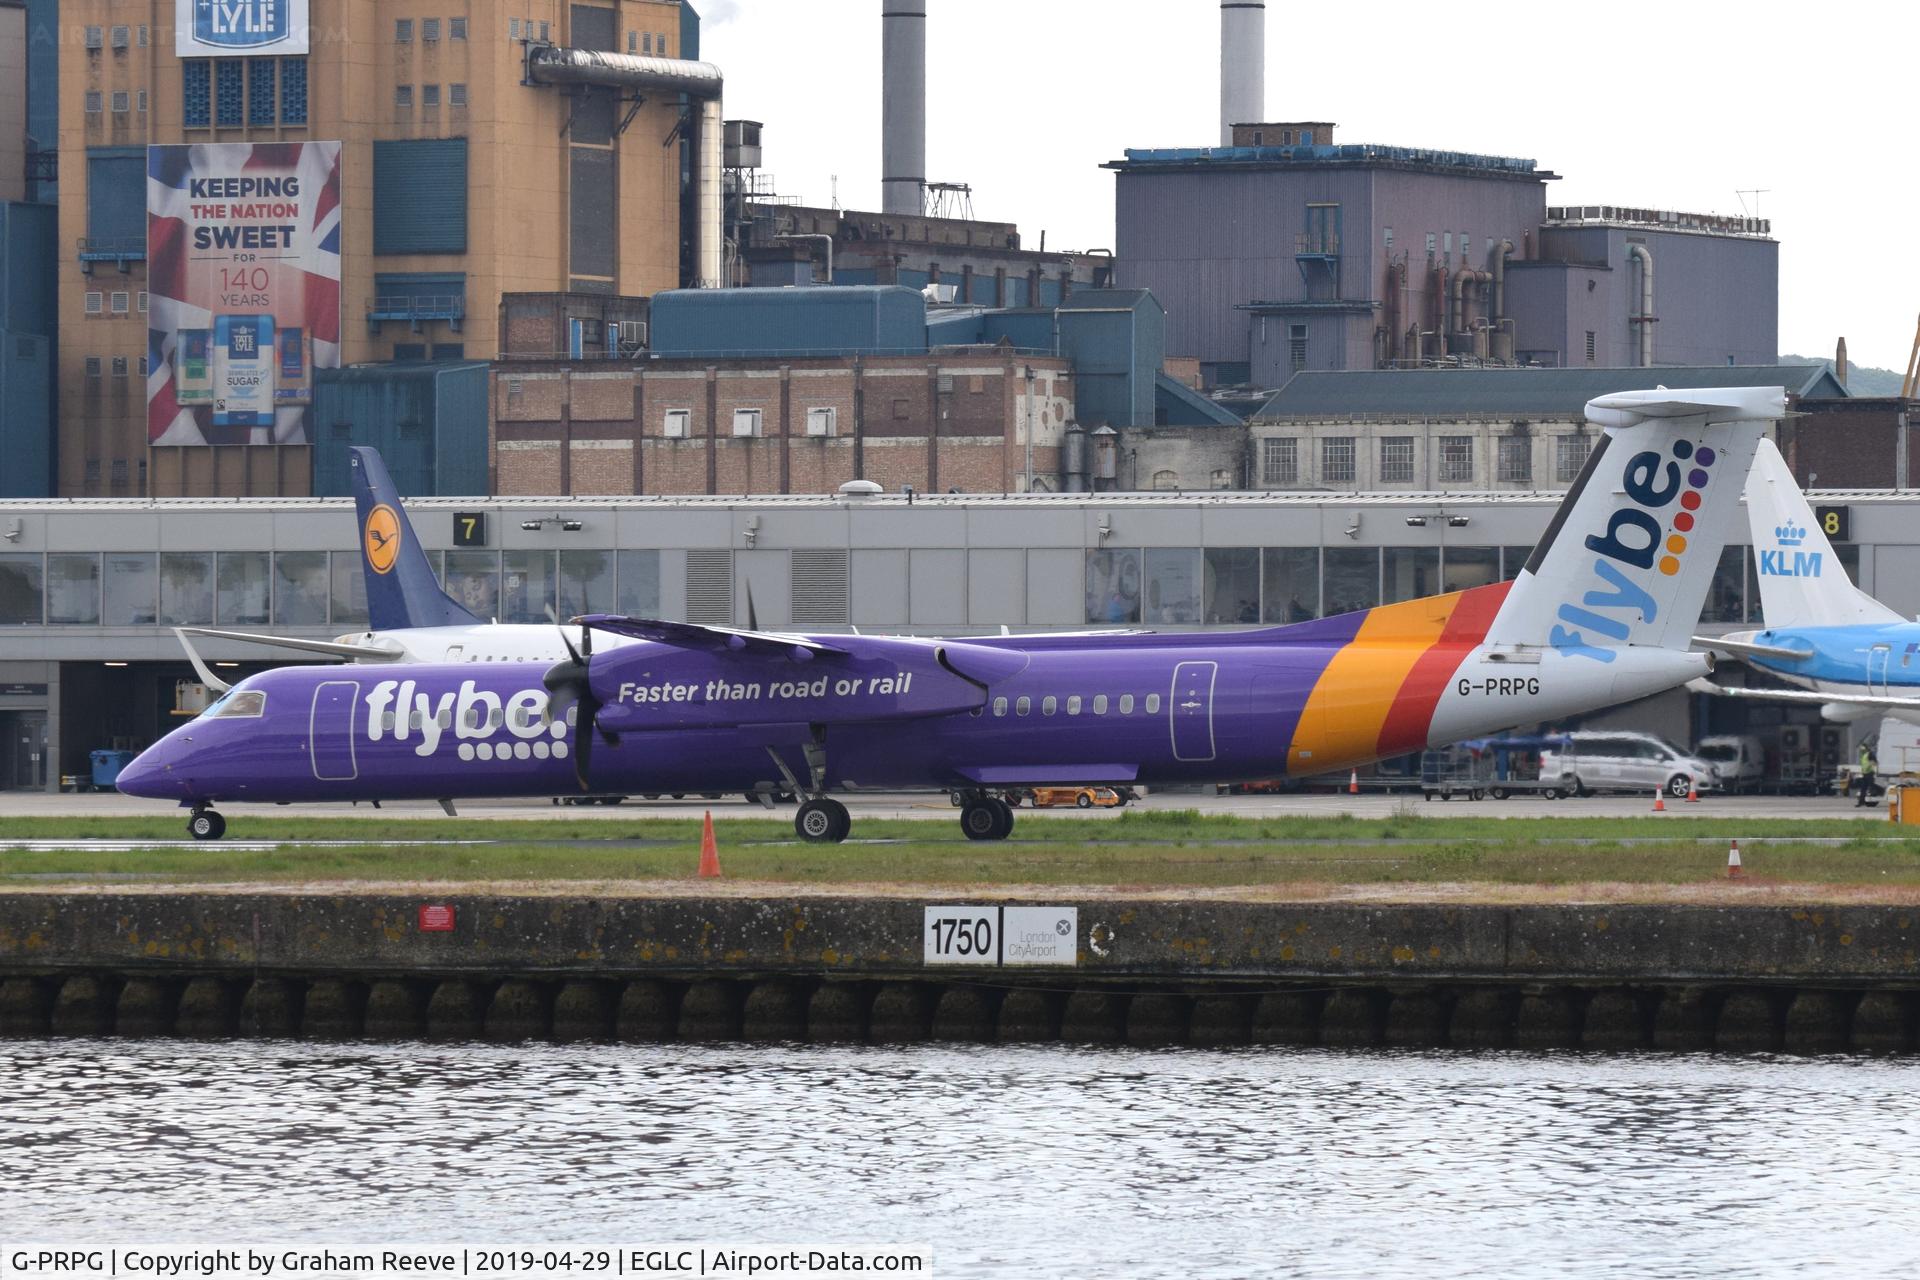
<point>582,751</point>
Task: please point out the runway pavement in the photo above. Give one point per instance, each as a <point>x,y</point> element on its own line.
<point>20,804</point>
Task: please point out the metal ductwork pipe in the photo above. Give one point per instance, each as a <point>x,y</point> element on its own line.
<point>903,106</point>
<point>1461,283</point>
<point>1645,318</point>
<point>1243,65</point>
<point>700,81</point>
<point>1499,268</point>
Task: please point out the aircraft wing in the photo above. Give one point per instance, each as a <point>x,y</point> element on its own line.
<point>332,648</point>
<point>694,635</point>
<point>1808,697</point>
<point>1748,649</point>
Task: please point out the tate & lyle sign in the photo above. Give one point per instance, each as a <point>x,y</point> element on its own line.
<point>236,28</point>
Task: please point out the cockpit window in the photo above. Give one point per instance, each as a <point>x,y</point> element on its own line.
<point>237,703</point>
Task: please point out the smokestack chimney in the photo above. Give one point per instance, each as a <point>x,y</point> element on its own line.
<point>1840,363</point>
<point>903,106</point>
<point>1243,65</point>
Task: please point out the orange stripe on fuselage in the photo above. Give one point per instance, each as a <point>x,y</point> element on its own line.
<point>1412,714</point>
<point>1350,702</point>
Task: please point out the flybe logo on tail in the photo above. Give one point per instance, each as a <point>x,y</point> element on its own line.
<point>1639,540</point>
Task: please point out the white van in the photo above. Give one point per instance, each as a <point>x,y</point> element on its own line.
<point>1608,761</point>
<point>1738,760</point>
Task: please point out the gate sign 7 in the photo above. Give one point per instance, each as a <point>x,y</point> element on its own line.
<point>469,528</point>
<point>1834,523</point>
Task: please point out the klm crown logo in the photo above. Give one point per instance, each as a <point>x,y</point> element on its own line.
<point>241,24</point>
<point>1789,534</point>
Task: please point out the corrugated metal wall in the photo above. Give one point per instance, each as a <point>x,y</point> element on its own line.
<point>420,196</point>
<point>428,421</point>
<point>838,321</point>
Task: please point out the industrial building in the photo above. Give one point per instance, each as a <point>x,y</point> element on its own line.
<point>398,157</point>
<point>90,589</point>
<point>1282,249</point>
<point>799,390</point>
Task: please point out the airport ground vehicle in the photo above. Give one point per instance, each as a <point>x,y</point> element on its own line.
<point>1079,797</point>
<point>1739,760</point>
<point>1625,761</point>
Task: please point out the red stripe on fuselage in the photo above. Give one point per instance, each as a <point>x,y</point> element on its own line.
<point>1407,723</point>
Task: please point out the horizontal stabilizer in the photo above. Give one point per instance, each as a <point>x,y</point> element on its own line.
<point>694,635</point>
<point>1748,649</point>
<point>1716,404</point>
<point>1808,697</point>
<point>332,648</point>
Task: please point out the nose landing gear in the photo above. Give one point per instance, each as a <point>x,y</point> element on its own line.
<point>205,824</point>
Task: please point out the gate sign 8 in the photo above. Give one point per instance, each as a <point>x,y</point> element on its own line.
<point>1834,523</point>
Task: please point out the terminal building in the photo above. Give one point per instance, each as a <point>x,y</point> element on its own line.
<point>91,589</point>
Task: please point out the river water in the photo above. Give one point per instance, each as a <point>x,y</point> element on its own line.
<point>1004,1161</point>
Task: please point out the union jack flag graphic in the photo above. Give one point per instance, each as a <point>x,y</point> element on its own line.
<point>243,247</point>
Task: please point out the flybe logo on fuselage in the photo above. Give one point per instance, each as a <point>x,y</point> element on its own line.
<point>482,724</point>
<point>1638,539</point>
<point>1787,561</point>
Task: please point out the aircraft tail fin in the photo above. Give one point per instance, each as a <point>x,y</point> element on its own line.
<point>1802,582</point>
<point>1631,553</point>
<point>402,591</point>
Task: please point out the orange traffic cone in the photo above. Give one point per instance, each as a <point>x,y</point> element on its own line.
<point>1659,801</point>
<point>709,852</point>
<point>1693,792</point>
<point>1353,783</point>
<point>1733,861</point>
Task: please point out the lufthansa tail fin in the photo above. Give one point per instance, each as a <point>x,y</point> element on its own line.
<point>1802,582</point>
<point>401,589</point>
<point>1629,556</point>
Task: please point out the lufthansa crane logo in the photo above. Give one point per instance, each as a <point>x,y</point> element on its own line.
<point>382,540</point>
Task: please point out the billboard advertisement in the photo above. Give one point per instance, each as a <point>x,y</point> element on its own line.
<point>243,271</point>
<point>239,28</point>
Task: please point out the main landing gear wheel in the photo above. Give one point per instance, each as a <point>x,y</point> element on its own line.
<point>987,818</point>
<point>205,824</point>
<point>823,821</point>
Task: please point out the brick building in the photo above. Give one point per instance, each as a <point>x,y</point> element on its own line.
<point>1864,442</point>
<point>943,421</point>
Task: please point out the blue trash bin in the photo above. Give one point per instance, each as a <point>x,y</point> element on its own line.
<point>107,766</point>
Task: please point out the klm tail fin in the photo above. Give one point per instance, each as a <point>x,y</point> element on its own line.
<point>1631,553</point>
<point>401,589</point>
<point>1802,582</point>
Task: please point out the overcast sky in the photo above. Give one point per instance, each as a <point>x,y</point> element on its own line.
<point>1676,105</point>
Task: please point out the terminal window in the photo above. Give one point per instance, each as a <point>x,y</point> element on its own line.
<point>1456,459</point>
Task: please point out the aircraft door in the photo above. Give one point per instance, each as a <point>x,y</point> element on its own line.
<point>1190,710</point>
<point>330,730</point>
<point>1878,659</point>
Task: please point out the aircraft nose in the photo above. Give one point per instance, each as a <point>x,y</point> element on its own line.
<point>149,777</point>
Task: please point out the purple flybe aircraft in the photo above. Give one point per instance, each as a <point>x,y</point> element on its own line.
<point>1602,613</point>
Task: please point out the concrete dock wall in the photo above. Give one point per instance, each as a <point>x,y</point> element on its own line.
<point>839,968</point>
